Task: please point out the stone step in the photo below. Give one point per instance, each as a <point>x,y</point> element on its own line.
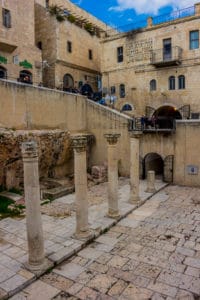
<point>57,192</point>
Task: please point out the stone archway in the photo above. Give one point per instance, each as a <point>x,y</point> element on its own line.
<point>153,162</point>
<point>3,73</point>
<point>25,76</point>
<point>68,83</point>
<point>165,116</point>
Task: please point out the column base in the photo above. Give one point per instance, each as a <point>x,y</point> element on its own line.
<point>39,269</point>
<point>134,199</point>
<point>113,214</point>
<point>83,235</point>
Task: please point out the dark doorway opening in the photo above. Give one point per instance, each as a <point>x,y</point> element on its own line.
<point>165,116</point>
<point>25,77</point>
<point>153,162</point>
<point>3,73</point>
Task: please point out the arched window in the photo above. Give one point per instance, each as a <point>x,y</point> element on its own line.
<point>25,77</point>
<point>68,82</point>
<point>122,93</point>
<point>127,107</point>
<point>172,84</point>
<point>181,82</point>
<point>153,85</point>
<point>3,73</point>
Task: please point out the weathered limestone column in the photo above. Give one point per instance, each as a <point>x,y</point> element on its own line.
<point>113,210</point>
<point>151,182</point>
<point>79,144</point>
<point>134,167</point>
<point>36,257</point>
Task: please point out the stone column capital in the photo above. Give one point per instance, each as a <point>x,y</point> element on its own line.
<point>135,134</point>
<point>29,149</point>
<point>112,138</point>
<point>79,143</point>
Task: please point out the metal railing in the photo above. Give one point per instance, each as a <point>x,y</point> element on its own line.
<point>152,125</point>
<point>182,13</point>
<point>136,26</point>
<point>159,55</point>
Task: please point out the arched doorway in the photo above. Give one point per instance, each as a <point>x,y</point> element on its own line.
<point>165,116</point>
<point>3,73</point>
<point>25,76</point>
<point>68,83</point>
<point>153,162</point>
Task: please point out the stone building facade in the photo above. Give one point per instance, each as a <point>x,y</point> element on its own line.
<point>156,65</point>
<point>69,39</point>
<point>19,57</point>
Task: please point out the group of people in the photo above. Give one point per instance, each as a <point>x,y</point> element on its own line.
<point>145,122</point>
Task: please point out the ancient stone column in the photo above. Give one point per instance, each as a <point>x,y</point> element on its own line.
<point>134,167</point>
<point>36,257</point>
<point>79,144</point>
<point>113,210</point>
<point>151,182</point>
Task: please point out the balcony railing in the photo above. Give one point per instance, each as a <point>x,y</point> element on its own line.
<point>161,58</point>
<point>178,14</point>
<point>160,125</point>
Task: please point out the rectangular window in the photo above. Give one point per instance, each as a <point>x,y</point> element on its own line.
<point>6,18</point>
<point>122,92</point>
<point>194,39</point>
<point>90,54</point>
<point>69,46</point>
<point>112,90</point>
<point>195,115</point>
<point>167,49</point>
<point>16,59</point>
<point>120,57</point>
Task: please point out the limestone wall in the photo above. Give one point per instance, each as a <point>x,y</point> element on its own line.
<point>55,155</point>
<point>19,39</point>
<point>54,36</point>
<point>101,120</point>
<point>187,153</point>
<point>28,107</point>
<point>136,70</point>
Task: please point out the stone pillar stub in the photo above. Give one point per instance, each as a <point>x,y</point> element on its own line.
<point>36,257</point>
<point>113,210</point>
<point>197,9</point>
<point>134,167</point>
<point>150,182</point>
<point>79,144</point>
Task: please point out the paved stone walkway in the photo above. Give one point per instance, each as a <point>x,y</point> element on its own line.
<point>58,232</point>
<point>153,253</point>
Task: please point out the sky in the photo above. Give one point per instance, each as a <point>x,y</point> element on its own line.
<point>122,12</point>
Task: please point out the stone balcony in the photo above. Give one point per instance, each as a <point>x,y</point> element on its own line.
<point>159,58</point>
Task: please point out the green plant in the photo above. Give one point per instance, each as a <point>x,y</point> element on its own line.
<point>5,211</point>
<point>2,188</point>
<point>71,18</point>
<point>89,27</point>
<point>57,11</point>
<point>45,202</point>
<point>15,190</point>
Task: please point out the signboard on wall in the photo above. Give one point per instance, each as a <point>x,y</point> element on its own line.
<point>192,170</point>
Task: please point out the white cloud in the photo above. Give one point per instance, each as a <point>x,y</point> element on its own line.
<point>78,2</point>
<point>150,7</point>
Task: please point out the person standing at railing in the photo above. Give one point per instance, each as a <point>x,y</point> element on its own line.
<point>143,121</point>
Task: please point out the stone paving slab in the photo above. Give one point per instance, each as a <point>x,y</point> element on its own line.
<point>156,260</point>
<point>59,241</point>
